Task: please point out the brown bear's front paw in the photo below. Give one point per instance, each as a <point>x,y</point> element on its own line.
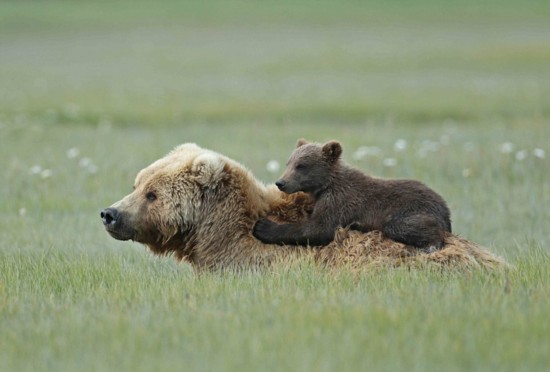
<point>264,231</point>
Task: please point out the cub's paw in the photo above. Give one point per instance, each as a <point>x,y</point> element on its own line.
<point>264,230</point>
<point>342,233</point>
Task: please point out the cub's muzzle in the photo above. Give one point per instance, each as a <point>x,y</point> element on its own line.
<point>281,184</point>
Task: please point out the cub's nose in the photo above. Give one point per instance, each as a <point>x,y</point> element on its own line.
<point>280,184</point>
<point>109,216</point>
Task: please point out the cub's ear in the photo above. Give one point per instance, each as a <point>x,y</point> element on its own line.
<point>208,169</point>
<point>332,150</point>
<point>301,142</point>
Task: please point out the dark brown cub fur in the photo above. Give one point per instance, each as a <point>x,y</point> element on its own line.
<point>406,211</point>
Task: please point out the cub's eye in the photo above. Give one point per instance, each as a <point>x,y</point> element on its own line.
<point>151,196</point>
<point>300,166</point>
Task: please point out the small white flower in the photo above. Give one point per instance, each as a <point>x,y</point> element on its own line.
<point>373,151</point>
<point>364,151</point>
<point>22,211</point>
<point>421,153</point>
<point>466,172</point>
<point>73,153</point>
<point>35,169</point>
<point>521,155</point>
<point>85,162</point>
<point>273,166</point>
<point>359,154</point>
<point>46,173</point>
<point>539,153</point>
<point>390,162</point>
<point>92,168</point>
<point>427,146</point>
<point>507,147</point>
<point>400,145</point>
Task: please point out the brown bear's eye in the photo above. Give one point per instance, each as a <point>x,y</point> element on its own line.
<point>151,196</point>
<point>300,166</point>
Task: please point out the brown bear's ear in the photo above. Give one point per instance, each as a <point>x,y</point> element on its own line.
<point>208,168</point>
<point>332,150</point>
<point>301,142</point>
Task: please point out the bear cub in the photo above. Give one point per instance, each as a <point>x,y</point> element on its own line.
<point>406,211</point>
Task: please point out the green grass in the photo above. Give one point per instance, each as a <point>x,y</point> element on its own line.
<point>124,82</point>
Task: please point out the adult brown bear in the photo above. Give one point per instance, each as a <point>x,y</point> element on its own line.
<point>200,206</point>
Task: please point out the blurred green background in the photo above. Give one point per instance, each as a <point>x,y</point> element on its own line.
<point>456,94</point>
<point>124,82</point>
<point>175,62</point>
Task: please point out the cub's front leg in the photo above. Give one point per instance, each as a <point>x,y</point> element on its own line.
<point>267,231</point>
<point>291,233</point>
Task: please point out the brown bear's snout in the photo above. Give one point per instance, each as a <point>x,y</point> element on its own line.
<point>116,224</point>
<point>109,216</point>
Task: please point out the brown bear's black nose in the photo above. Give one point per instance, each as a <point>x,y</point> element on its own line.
<point>280,184</point>
<point>109,216</point>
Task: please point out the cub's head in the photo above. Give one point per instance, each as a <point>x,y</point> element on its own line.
<point>168,199</point>
<point>310,166</point>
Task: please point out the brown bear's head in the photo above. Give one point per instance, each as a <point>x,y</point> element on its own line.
<point>310,167</point>
<point>169,198</point>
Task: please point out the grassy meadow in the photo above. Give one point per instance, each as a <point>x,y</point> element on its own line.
<point>456,94</point>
